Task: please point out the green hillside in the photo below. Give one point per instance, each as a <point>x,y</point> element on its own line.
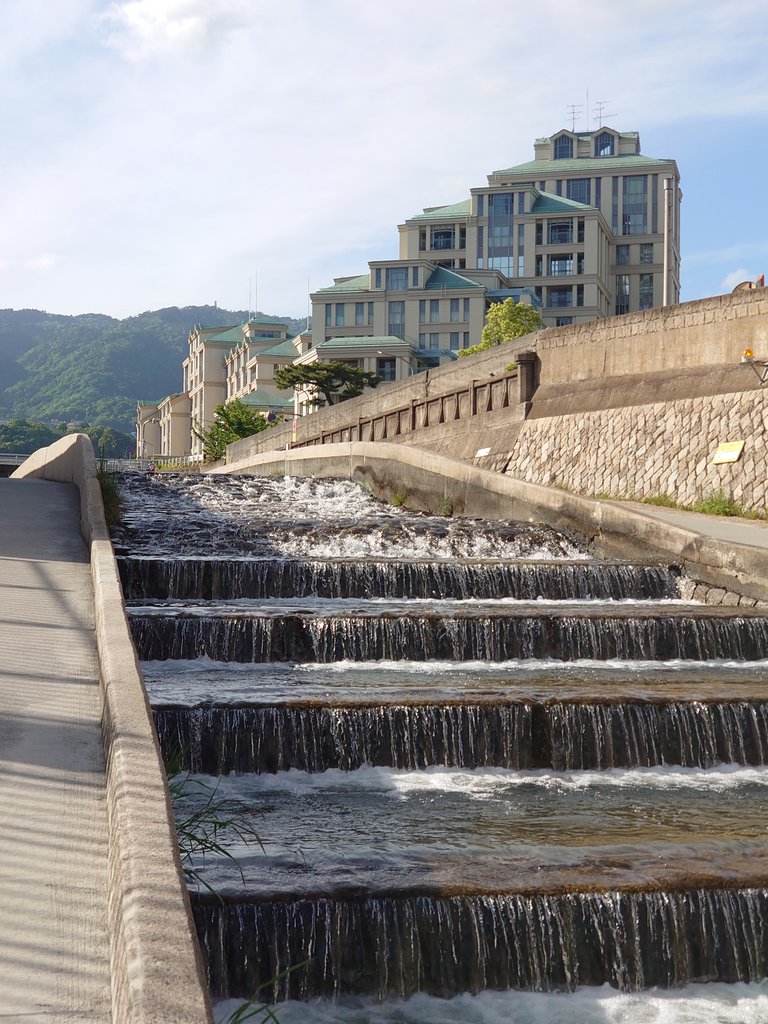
<point>93,368</point>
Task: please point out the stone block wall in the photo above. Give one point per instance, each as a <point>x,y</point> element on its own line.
<point>646,450</point>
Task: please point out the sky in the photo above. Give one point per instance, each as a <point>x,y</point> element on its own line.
<point>185,152</point>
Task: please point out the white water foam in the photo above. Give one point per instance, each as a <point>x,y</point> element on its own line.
<point>713,1003</point>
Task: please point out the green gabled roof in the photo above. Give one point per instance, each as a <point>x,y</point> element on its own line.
<point>442,277</point>
<point>584,136</point>
<point>232,336</point>
<point>376,342</point>
<point>589,165</point>
<point>546,202</point>
<point>462,209</point>
<point>262,397</point>
<point>262,318</point>
<point>361,283</point>
<point>285,348</point>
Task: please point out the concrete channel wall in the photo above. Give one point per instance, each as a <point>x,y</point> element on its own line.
<point>737,573</point>
<point>156,969</point>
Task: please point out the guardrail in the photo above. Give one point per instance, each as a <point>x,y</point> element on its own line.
<point>480,396</point>
<point>12,459</point>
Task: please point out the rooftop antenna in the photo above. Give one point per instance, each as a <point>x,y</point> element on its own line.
<point>249,298</point>
<point>599,116</point>
<point>255,293</point>
<point>573,109</point>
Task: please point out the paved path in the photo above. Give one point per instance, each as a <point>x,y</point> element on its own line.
<point>752,532</point>
<point>54,944</point>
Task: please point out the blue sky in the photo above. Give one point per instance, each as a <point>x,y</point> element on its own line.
<point>175,152</point>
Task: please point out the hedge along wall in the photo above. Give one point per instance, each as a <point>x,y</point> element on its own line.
<point>647,450</point>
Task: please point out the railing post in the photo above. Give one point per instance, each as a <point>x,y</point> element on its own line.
<point>526,378</point>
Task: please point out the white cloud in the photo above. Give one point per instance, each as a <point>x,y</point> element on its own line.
<point>43,261</point>
<point>145,28</point>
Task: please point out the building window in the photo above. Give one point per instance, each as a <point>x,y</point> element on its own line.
<point>339,314</point>
<point>443,237</point>
<point>455,311</point>
<point>500,237</point>
<point>386,369</point>
<point>415,277</point>
<point>579,294</point>
<point>329,314</point>
<point>646,252</point>
<point>480,245</point>
<point>635,205</point>
<point>561,265</point>
<point>622,255</point>
<point>466,311</point>
<point>580,229</point>
<point>434,311</point>
<point>604,144</point>
<point>359,314</point>
<point>481,206</point>
<point>422,311</point>
<point>559,187</point>
<point>370,314</point>
<point>463,237</point>
<point>466,340</point>
<point>539,232</point>
<point>377,277</point>
<point>615,205</point>
<point>563,147</point>
<point>646,291</point>
<point>422,341</point>
<point>598,192</point>
<point>434,341</point>
<point>422,239</point>
<point>559,297</point>
<point>622,294</point>
<point>580,263</point>
<point>396,318</point>
<point>539,266</point>
<point>578,189</point>
<point>559,231</point>
<point>454,341</point>
<point>397,279</point>
<point>563,321</point>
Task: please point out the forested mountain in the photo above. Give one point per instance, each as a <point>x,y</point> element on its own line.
<point>93,368</point>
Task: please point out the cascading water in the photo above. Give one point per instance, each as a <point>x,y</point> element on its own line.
<point>477,759</point>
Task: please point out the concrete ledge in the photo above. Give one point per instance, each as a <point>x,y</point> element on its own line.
<point>615,528</point>
<point>157,972</point>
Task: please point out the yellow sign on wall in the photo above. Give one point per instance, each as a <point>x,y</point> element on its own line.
<point>729,451</point>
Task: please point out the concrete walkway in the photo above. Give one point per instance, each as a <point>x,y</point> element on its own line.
<point>752,532</point>
<point>54,943</point>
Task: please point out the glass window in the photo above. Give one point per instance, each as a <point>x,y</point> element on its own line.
<point>422,341</point>
<point>397,279</point>
<point>396,319</point>
<point>622,254</point>
<point>463,237</point>
<point>563,147</point>
<point>520,250</point>
<point>500,234</point>
<point>454,341</point>
<point>598,192</point>
<point>560,264</point>
<point>521,202</point>
<point>539,232</point>
<point>635,204</point>
<point>580,229</point>
<point>339,314</point>
<point>415,277</point>
<point>580,263</point>
<point>559,187</point>
<point>386,368</point>
<point>578,189</point>
<point>563,321</point>
<point>466,311</point>
<point>466,340</point>
<point>434,341</point>
<point>434,311</point>
<point>559,231</point>
<point>539,266</point>
<point>480,246</point>
<point>579,294</point>
<point>455,311</point>
<point>646,291</point>
<point>622,294</point>
<point>646,252</point>
<point>604,144</point>
<point>422,311</point>
<point>359,314</point>
<point>329,314</point>
<point>443,237</point>
<point>422,239</point>
<point>559,297</point>
<point>615,206</point>
<point>370,313</point>
<point>377,277</point>
<point>481,206</point>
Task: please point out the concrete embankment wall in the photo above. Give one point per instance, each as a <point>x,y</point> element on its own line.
<point>430,482</point>
<point>157,974</point>
<point>631,406</point>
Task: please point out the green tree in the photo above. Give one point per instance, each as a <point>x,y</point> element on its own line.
<point>232,421</point>
<point>332,382</point>
<point>506,321</point>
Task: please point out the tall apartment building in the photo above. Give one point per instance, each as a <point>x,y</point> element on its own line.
<point>589,228</point>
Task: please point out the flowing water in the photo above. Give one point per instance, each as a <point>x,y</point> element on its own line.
<point>493,778</point>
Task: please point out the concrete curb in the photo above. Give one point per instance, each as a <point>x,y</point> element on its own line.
<point>616,529</point>
<point>156,968</point>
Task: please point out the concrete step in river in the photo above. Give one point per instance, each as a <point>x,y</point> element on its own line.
<point>493,778</point>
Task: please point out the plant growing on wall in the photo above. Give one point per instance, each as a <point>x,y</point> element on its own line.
<point>232,421</point>
<point>506,321</point>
